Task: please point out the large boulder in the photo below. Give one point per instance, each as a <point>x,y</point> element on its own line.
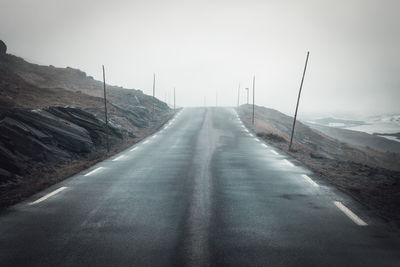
<point>3,48</point>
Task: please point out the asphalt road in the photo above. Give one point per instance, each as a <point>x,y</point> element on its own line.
<point>201,192</point>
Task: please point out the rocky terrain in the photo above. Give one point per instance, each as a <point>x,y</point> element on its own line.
<point>368,175</point>
<point>52,124</point>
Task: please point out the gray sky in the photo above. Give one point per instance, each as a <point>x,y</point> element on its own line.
<point>201,47</point>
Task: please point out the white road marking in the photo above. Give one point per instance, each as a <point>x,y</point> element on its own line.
<point>246,130</point>
<point>257,139</point>
<point>251,135</point>
<point>273,151</point>
<point>350,214</point>
<point>118,158</point>
<point>154,136</point>
<point>308,179</point>
<point>48,195</point>
<point>288,163</point>
<point>145,142</point>
<point>264,145</point>
<point>133,149</point>
<point>95,170</point>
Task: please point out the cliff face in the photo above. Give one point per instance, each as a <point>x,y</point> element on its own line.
<point>52,124</point>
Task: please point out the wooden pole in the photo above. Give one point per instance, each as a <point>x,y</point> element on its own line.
<point>254,86</point>
<point>238,104</point>
<point>154,94</point>
<point>105,110</point>
<point>298,100</point>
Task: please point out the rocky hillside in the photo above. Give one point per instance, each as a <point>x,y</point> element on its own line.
<point>52,124</point>
<point>370,176</point>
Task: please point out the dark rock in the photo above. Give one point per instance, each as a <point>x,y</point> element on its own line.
<point>316,156</point>
<point>53,135</point>
<point>3,48</point>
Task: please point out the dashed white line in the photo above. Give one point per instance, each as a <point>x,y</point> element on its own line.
<point>308,179</point>
<point>251,135</point>
<point>133,149</point>
<point>273,151</point>
<point>154,136</point>
<point>257,139</point>
<point>95,170</point>
<point>350,214</point>
<point>48,195</point>
<point>118,158</point>
<point>264,145</point>
<point>288,163</point>
<point>145,142</point>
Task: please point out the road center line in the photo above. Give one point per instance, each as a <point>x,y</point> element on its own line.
<point>264,145</point>
<point>273,151</point>
<point>257,139</point>
<point>133,149</point>
<point>118,158</point>
<point>308,179</point>
<point>350,214</point>
<point>48,195</point>
<point>154,136</point>
<point>251,135</point>
<point>95,170</point>
<point>145,142</point>
<point>288,163</point>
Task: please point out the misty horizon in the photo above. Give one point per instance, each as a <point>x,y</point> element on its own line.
<point>206,48</point>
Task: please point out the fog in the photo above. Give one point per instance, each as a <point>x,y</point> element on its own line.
<point>205,47</point>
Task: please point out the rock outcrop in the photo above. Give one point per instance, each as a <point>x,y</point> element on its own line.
<point>54,135</point>
<point>3,48</point>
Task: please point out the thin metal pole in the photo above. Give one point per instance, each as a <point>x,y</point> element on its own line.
<point>298,100</point>
<point>254,86</point>
<point>174,99</point>
<point>154,94</point>
<point>239,95</point>
<point>105,109</point>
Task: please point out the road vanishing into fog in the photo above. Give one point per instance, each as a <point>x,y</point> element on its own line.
<point>203,191</point>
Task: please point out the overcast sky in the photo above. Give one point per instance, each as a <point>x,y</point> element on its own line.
<point>205,47</point>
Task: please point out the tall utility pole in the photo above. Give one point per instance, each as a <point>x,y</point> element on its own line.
<point>247,89</point>
<point>238,96</point>
<point>298,100</point>
<point>105,110</point>
<point>174,99</point>
<point>154,94</point>
<point>254,86</point>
